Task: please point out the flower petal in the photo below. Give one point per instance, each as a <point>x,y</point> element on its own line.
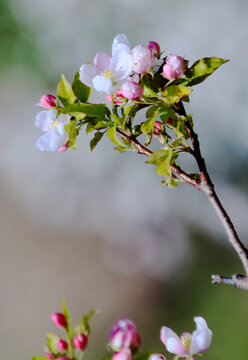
<point>121,64</point>
<point>53,139</point>
<point>102,62</point>
<point>101,83</point>
<point>118,42</point>
<point>44,119</point>
<point>86,74</point>
<point>201,337</point>
<point>172,341</point>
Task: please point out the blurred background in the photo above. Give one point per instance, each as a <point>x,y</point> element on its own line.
<point>99,229</point>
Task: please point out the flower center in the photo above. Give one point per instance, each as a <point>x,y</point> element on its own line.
<point>107,74</point>
<point>53,124</point>
<point>186,341</point>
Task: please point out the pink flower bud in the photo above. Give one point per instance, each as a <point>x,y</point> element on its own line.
<point>118,99</point>
<point>124,335</point>
<point>131,90</point>
<point>80,341</point>
<point>154,47</point>
<point>62,345</point>
<point>156,357</point>
<point>59,320</point>
<point>124,354</point>
<point>64,147</point>
<point>157,127</point>
<point>170,121</point>
<point>174,67</point>
<point>50,356</point>
<point>142,59</point>
<point>48,101</point>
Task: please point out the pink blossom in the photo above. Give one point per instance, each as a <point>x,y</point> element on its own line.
<point>131,90</point>
<point>80,341</point>
<point>188,344</point>
<point>142,59</point>
<point>50,356</point>
<point>48,101</point>
<point>174,67</point>
<point>62,345</point>
<point>59,320</point>
<point>124,335</point>
<point>64,147</point>
<point>157,127</point>
<point>155,48</point>
<point>156,357</point>
<point>118,99</point>
<point>124,354</point>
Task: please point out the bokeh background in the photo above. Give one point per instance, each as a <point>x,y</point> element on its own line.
<point>99,229</point>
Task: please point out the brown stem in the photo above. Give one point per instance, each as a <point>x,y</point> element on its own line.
<point>207,187</point>
<point>143,150</point>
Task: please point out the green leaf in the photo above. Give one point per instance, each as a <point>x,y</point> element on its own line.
<point>72,132</point>
<point>175,93</point>
<point>84,326</point>
<point>181,129</point>
<point>201,69</point>
<point>95,140</point>
<point>119,121</point>
<point>96,124</point>
<point>148,126</point>
<point>170,182</point>
<point>81,90</point>
<point>162,158</point>
<point>38,357</point>
<point>151,111</point>
<point>99,110</point>
<point>131,110</point>
<point>52,343</point>
<point>65,92</point>
<point>67,315</point>
<point>111,133</point>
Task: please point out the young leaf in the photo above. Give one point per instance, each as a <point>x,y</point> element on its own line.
<point>95,140</point>
<point>81,90</point>
<point>170,182</point>
<point>162,158</point>
<point>99,110</point>
<point>201,69</point>
<point>67,315</point>
<point>111,133</point>
<point>52,343</point>
<point>72,132</point>
<point>65,92</point>
<point>175,93</point>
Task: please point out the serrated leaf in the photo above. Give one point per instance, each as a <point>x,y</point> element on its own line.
<point>52,343</point>
<point>95,140</point>
<point>81,90</point>
<point>111,133</point>
<point>162,158</point>
<point>65,92</point>
<point>170,182</point>
<point>72,132</point>
<point>67,315</point>
<point>99,110</point>
<point>175,93</point>
<point>201,69</point>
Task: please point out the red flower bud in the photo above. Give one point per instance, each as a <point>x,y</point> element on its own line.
<point>62,345</point>
<point>48,101</point>
<point>157,127</point>
<point>155,48</point>
<point>59,320</point>
<point>80,341</point>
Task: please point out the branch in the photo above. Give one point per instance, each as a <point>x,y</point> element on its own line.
<point>207,187</point>
<point>143,150</point>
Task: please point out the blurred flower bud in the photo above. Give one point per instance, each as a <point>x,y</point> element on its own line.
<point>50,356</point>
<point>174,67</point>
<point>62,345</point>
<point>124,335</point>
<point>80,341</point>
<point>64,147</point>
<point>142,59</point>
<point>59,320</point>
<point>48,101</point>
<point>154,47</point>
<point>124,354</point>
<point>156,357</point>
<point>118,99</point>
<point>157,127</point>
<point>131,90</point>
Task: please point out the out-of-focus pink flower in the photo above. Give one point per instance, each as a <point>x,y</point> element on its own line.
<point>142,59</point>
<point>188,344</point>
<point>50,356</point>
<point>174,67</point>
<point>107,70</point>
<point>62,345</point>
<point>156,357</point>
<point>59,320</point>
<point>118,99</point>
<point>48,101</point>
<point>124,335</point>
<point>157,127</point>
<point>154,47</point>
<point>80,341</point>
<point>124,354</point>
<point>131,90</point>
<point>64,147</point>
